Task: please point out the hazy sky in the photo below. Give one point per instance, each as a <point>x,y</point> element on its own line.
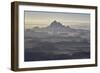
<point>43,19</point>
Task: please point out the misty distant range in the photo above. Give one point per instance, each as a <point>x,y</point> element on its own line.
<point>56,42</point>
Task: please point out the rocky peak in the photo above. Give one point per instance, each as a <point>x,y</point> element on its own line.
<point>56,24</point>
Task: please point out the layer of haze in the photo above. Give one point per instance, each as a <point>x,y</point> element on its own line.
<point>43,19</point>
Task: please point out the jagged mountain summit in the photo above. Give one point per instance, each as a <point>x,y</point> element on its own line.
<point>54,27</point>
<point>56,24</point>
